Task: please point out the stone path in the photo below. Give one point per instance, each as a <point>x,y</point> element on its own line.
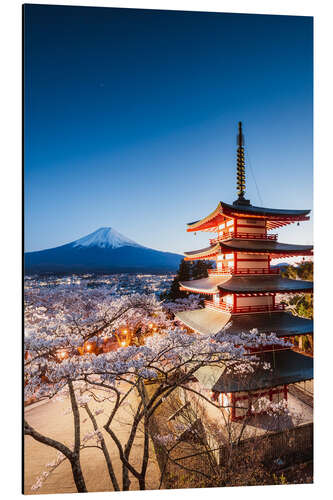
<point>49,419</point>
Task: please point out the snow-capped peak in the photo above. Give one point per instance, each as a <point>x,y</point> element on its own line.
<point>105,237</point>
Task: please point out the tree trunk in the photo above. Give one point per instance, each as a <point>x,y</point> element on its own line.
<point>105,451</point>
<point>73,458</point>
<point>78,476</point>
<point>126,479</point>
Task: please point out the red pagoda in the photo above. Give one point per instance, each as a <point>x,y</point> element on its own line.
<point>241,290</point>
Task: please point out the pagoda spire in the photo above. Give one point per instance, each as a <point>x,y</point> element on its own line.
<point>240,168</point>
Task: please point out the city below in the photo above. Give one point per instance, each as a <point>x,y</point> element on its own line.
<point>120,284</point>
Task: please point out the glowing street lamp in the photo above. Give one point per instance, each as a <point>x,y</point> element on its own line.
<point>152,327</point>
<point>62,354</point>
<point>124,337</point>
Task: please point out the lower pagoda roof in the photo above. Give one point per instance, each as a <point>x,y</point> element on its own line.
<point>209,322</point>
<point>208,285</point>
<point>248,284</point>
<point>250,246</point>
<point>287,367</point>
<point>264,246</point>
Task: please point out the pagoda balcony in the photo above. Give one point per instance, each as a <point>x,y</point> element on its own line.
<point>220,272</point>
<point>246,236</point>
<point>222,306</point>
<point>249,270</point>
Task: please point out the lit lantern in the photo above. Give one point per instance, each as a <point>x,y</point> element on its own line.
<point>62,354</point>
<point>124,337</point>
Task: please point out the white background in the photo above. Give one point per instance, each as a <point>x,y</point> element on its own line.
<point>11,228</point>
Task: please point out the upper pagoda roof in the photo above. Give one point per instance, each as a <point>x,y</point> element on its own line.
<point>209,322</point>
<point>287,367</point>
<point>250,246</point>
<point>248,284</point>
<point>275,217</point>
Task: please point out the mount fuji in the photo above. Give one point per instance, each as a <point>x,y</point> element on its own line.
<point>103,251</point>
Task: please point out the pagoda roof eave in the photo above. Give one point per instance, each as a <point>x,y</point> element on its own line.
<point>205,285</point>
<point>250,246</point>
<point>264,246</point>
<point>287,367</point>
<point>203,253</point>
<point>248,284</point>
<point>277,217</point>
<point>204,321</point>
<point>239,210</point>
<point>209,322</point>
<point>265,284</point>
<point>210,220</point>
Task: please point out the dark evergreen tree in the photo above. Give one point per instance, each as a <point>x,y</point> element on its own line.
<point>200,269</point>
<point>304,302</point>
<point>187,270</point>
<point>303,271</point>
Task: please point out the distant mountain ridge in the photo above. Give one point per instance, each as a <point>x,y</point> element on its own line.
<point>104,250</point>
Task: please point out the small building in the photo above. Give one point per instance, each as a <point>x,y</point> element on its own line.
<point>241,292</point>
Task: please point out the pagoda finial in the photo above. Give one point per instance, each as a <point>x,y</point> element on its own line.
<point>240,168</point>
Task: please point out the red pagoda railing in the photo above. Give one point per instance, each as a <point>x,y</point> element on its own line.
<point>245,270</point>
<point>222,306</point>
<point>263,308</point>
<point>257,270</point>
<point>247,236</point>
<point>219,272</point>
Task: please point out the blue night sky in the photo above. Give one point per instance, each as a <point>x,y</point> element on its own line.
<point>131,120</point>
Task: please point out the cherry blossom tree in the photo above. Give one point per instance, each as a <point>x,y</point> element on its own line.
<point>200,445</point>
<point>64,331</point>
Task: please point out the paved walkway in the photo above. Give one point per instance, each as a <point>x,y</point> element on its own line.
<point>49,419</point>
<point>303,396</point>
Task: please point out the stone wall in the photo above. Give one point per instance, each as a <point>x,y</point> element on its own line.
<point>297,440</point>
